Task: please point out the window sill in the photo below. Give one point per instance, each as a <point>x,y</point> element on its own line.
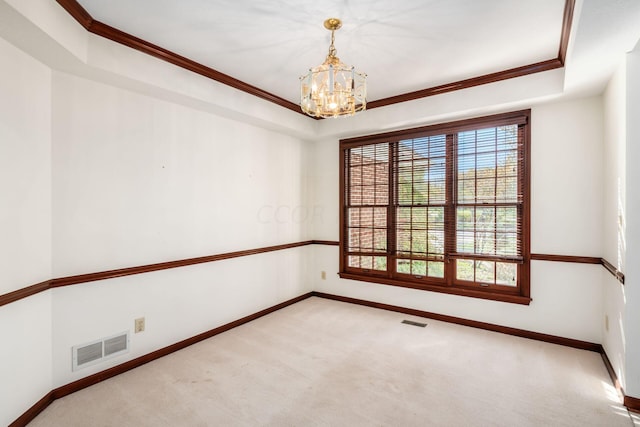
<point>494,296</point>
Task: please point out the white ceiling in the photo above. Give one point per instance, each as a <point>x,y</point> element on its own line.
<point>402,45</point>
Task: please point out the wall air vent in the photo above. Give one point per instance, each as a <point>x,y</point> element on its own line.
<point>412,323</point>
<point>116,345</point>
<point>96,351</point>
<point>89,353</point>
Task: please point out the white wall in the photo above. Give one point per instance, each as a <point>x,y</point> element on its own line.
<point>25,170</point>
<point>566,219</point>
<point>566,178</point>
<point>632,273</point>
<point>614,194</point>
<point>138,180</point>
<point>25,230</point>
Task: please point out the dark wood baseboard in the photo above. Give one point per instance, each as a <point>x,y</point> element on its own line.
<point>32,412</point>
<point>80,384</point>
<point>612,373</point>
<point>631,402</point>
<point>131,364</point>
<point>568,342</point>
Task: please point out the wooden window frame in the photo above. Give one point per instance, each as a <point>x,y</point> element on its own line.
<point>520,294</point>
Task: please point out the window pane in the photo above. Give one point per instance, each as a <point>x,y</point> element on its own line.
<point>511,190</point>
<point>437,176</point>
<point>354,261</point>
<point>507,218</point>
<point>485,227</point>
<point>405,183</point>
<point>419,268</point>
<point>487,230</point>
<point>380,263</point>
<point>367,187</point>
<point>485,164</point>
<point>366,217</point>
<point>404,241</point>
<point>368,175</point>
<point>422,170</point>
<point>381,194</point>
<point>354,217</point>
<point>356,195</point>
<point>485,190</point>
<point>488,165</point>
<point>355,156</point>
<point>507,137</point>
<point>419,241</point>
<point>506,273</point>
<point>435,217</point>
<point>485,271</point>
<point>465,240</point>
<point>354,239</point>
<point>366,239</point>
<point>366,262</point>
<point>435,243</point>
<point>380,217</point>
<point>420,182</point>
<point>420,231</point>
<point>403,218</point>
<point>466,190</point>
<point>405,151</point>
<point>419,218</point>
<point>368,194</point>
<point>465,269</point>
<point>486,140</point>
<point>380,239</point>
<point>467,163</point>
<point>436,269</point>
<point>403,266</point>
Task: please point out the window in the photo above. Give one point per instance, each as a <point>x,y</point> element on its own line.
<point>443,208</point>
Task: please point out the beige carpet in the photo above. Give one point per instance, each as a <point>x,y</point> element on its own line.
<point>327,363</point>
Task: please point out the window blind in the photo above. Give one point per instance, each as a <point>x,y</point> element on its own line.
<point>443,205</point>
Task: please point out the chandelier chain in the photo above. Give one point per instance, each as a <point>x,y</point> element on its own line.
<point>332,49</point>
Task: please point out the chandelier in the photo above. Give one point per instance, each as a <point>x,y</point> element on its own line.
<point>333,89</point>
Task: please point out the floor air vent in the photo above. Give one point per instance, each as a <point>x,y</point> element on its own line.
<point>96,351</point>
<point>411,322</point>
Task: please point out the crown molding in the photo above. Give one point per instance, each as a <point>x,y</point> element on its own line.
<point>101,29</point>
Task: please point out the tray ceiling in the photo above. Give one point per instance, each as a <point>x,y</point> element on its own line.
<point>403,46</point>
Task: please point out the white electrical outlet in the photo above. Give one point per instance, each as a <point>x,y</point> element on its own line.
<point>139,325</point>
<point>606,323</point>
<point>323,275</point>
